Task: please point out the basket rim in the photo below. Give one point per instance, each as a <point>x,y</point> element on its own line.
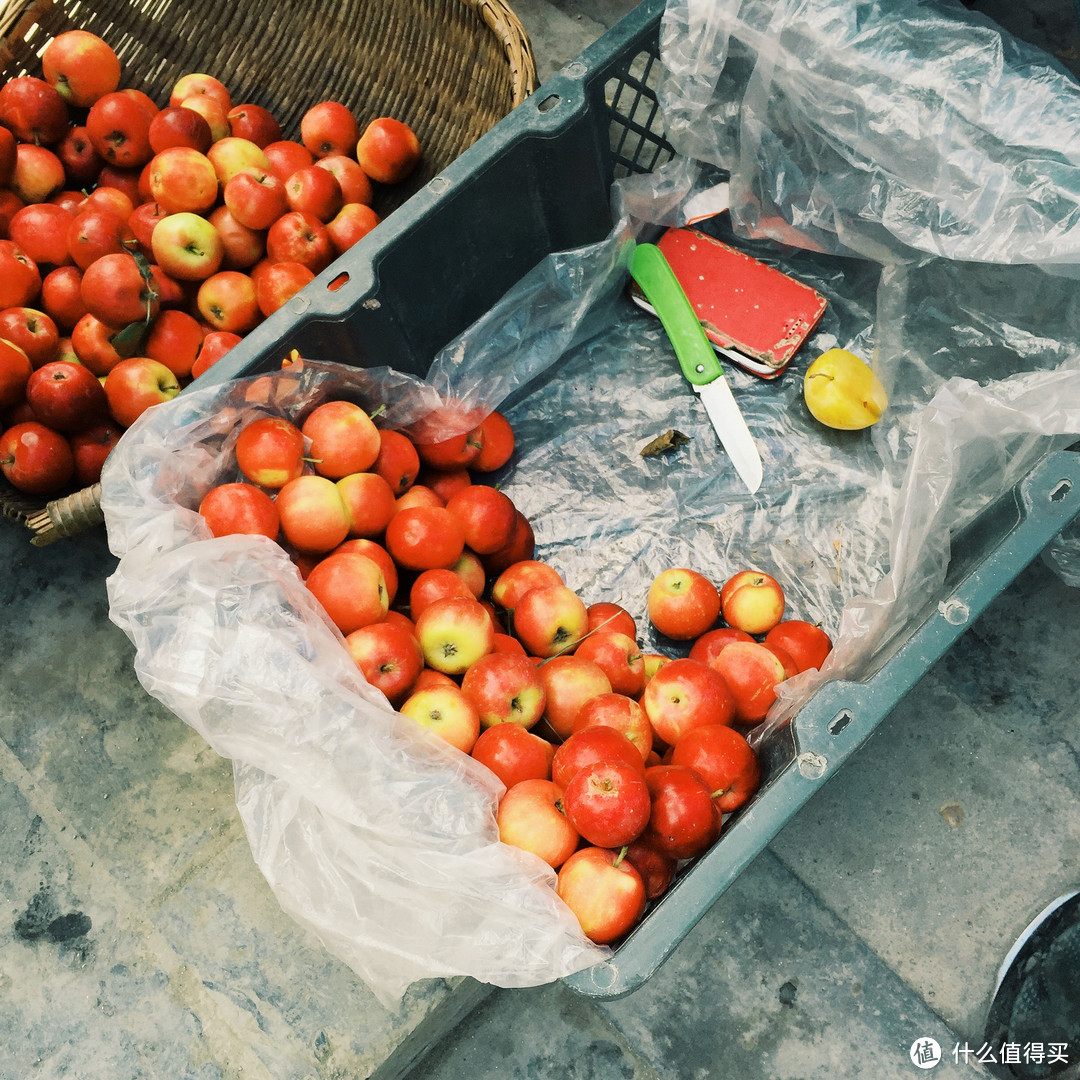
<point>17,17</point>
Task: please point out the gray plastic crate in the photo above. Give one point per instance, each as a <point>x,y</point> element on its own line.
<point>445,257</point>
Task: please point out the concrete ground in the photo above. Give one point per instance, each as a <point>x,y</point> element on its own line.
<point>138,940</point>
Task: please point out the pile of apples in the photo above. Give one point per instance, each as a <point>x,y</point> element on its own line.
<point>619,764</point>
<point>139,242</point>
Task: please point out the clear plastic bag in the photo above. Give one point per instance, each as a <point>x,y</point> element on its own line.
<point>383,841</point>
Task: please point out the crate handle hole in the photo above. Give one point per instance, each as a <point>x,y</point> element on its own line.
<point>549,103</point>
<point>840,721</point>
<point>1062,489</point>
<point>339,281</point>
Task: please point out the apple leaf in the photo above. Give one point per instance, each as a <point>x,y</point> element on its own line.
<point>662,444</point>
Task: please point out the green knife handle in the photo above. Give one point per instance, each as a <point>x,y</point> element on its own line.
<point>697,358</point>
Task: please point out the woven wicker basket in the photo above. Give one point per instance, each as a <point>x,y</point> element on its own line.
<point>450,68</point>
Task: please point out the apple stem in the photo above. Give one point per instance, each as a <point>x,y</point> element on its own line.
<point>622,855</point>
<point>718,793</point>
<point>378,411</point>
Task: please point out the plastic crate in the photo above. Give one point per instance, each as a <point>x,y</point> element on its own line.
<point>448,256</point>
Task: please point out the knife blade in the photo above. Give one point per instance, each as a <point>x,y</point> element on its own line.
<point>697,359</point>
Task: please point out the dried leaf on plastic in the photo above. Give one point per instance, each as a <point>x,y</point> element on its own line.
<point>670,440</point>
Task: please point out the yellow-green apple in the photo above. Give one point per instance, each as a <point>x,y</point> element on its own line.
<point>531,817</point>
<point>350,588</point>
<point>589,746</point>
<point>608,802</point>
<point>115,289</point>
<point>314,191</point>
<point>256,198</point>
<point>370,503</point>
<point>20,279</point>
<point>134,385</point>
<point>39,173</point>
<point>238,508</point>
<point>35,458</point>
<point>286,156</point>
<point>604,891</point>
<point>505,689</point>
<point>329,128</point>
<point>806,643</point>
<point>15,372</point>
<point>187,247</point>
<point>174,126</point>
<point>620,657</point>
<point>270,451</point>
<point>684,819</point>
<point>66,397</point>
<point>685,694</point>
<point>254,123</point>
<point>570,681</point>
<point>314,517</point>
<point>118,124</point>
<point>623,714</point>
<point>752,601</point>
<point>81,66</point>
<point>33,331</point>
<point>389,656</point>
<point>682,603</point>
<point>231,156</point>
<point>344,439</point>
<point>550,620</point>
<point>752,672</point>
<point>445,711</point>
<point>227,301</point>
<point>182,178</point>
<point>388,150</point>
<point>513,753</point>
<point>454,633</point>
<point>33,111</point>
<point>723,758</point>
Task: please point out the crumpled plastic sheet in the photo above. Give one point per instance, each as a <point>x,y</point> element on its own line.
<point>380,839</point>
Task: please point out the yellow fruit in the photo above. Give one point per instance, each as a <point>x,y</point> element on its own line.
<point>842,392</point>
